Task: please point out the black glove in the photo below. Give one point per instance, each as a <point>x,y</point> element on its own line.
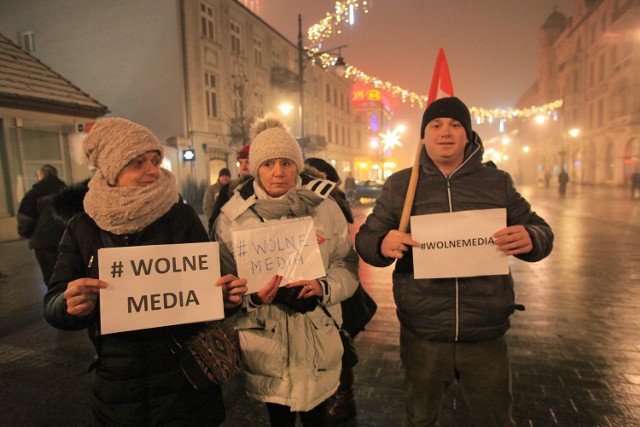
<point>289,297</point>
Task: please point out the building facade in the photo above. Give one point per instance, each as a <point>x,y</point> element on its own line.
<point>591,61</point>
<point>196,72</point>
<point>42,118</point>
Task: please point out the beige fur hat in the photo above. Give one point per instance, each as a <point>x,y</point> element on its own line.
<point>272,140</point>
<point>113,142</point>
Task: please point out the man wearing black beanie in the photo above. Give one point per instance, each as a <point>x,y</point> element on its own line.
<point>452,329</point>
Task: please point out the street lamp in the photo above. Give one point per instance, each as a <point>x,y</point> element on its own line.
<point>285,108</point>
<point>574,133</point>
<point>304,57</point>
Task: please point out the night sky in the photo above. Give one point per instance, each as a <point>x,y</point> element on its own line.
<point>491,46</point>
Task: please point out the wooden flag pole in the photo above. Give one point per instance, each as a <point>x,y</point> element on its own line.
<point>411,191</point>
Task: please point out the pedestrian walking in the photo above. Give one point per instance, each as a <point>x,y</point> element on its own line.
<point>131,201</point>
<point>452,329</point>
<point>563,180</point>
<point>287,334</point>
<point>35,219</point>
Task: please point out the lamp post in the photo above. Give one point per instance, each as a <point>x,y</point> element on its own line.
<point>304,57</point>
<point>574,133</point>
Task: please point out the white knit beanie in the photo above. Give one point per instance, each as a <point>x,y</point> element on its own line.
<point>113,142</point>
<point>272,140</point>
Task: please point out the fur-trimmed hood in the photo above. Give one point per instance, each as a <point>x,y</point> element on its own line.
<point>69,201</point>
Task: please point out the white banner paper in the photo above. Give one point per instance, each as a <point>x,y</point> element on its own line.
<point>161,285</point>
<point>285,247</point>
<point>458,244</point>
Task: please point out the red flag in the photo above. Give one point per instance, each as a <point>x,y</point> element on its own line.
<point>441,86</point>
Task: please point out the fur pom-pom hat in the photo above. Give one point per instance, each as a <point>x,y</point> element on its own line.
<point>272,140</point>
<point>113,142</point>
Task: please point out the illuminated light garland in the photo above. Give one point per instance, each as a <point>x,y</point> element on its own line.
<point>479,114</point>
<point>331,23</point>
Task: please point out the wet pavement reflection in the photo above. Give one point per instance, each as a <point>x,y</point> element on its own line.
<point>575,351</point>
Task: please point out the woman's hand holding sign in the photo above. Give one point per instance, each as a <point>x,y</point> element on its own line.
<point>309,288</point>
<point>396,243</point>
<point>269,291</point>
<point>233,289</point>
<point>81,295</point>
<point>514,240</point>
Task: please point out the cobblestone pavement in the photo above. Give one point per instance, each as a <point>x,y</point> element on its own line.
<point>575,350</point>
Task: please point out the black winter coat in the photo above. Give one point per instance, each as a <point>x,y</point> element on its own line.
<point>452,309</point>
<point>137,378</point>
<point>35,219</point>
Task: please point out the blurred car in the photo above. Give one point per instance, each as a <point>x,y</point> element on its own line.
<point>367,190</point>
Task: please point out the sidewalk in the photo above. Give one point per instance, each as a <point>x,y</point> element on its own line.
<point>575,351</point>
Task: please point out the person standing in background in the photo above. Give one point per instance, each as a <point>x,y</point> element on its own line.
<point>35,221</point>
<point>224,176</point>
<point>226,191</point>
<point>635,184</point>
<point>563,180</point>
<point>350,187</point>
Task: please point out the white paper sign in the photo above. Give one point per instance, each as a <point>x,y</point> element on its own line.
<point>161,285</point>
<point>285,247</point>
<point>458,244</point>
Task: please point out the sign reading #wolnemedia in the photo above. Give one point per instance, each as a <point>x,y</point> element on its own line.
<point>161,285</point>
<point>458,244</point>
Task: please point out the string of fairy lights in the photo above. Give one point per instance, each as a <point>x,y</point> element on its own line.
<point>344,14</point>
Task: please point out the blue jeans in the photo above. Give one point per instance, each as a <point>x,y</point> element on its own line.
<point>481,368</point>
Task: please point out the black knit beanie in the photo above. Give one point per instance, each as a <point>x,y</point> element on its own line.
<point>451,108</point>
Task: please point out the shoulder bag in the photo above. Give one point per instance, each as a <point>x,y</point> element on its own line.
<point>210,356</point>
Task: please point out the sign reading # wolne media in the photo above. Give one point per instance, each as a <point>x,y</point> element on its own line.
<point>286,247</point>
<point>162,285</point>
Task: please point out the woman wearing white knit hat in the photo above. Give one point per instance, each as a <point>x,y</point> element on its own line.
<point>303,370</point>
<point>131,201</point>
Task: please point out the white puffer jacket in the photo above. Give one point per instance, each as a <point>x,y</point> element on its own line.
<point>290,358</point>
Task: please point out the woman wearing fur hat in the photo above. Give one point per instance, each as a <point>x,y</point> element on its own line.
<point>290,345</point>
<point>131,201</point>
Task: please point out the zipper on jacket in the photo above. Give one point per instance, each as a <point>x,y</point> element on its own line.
<point>457,329</point>
<point>448,179</point>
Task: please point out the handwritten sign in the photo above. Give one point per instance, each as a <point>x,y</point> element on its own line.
<point>153,286</point>
<point>285,247</point>
<point>458,244</point>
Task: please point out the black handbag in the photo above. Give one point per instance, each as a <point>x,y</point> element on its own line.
<point>357,311</point>
<point>350,353</point>
<point>210,356</point>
